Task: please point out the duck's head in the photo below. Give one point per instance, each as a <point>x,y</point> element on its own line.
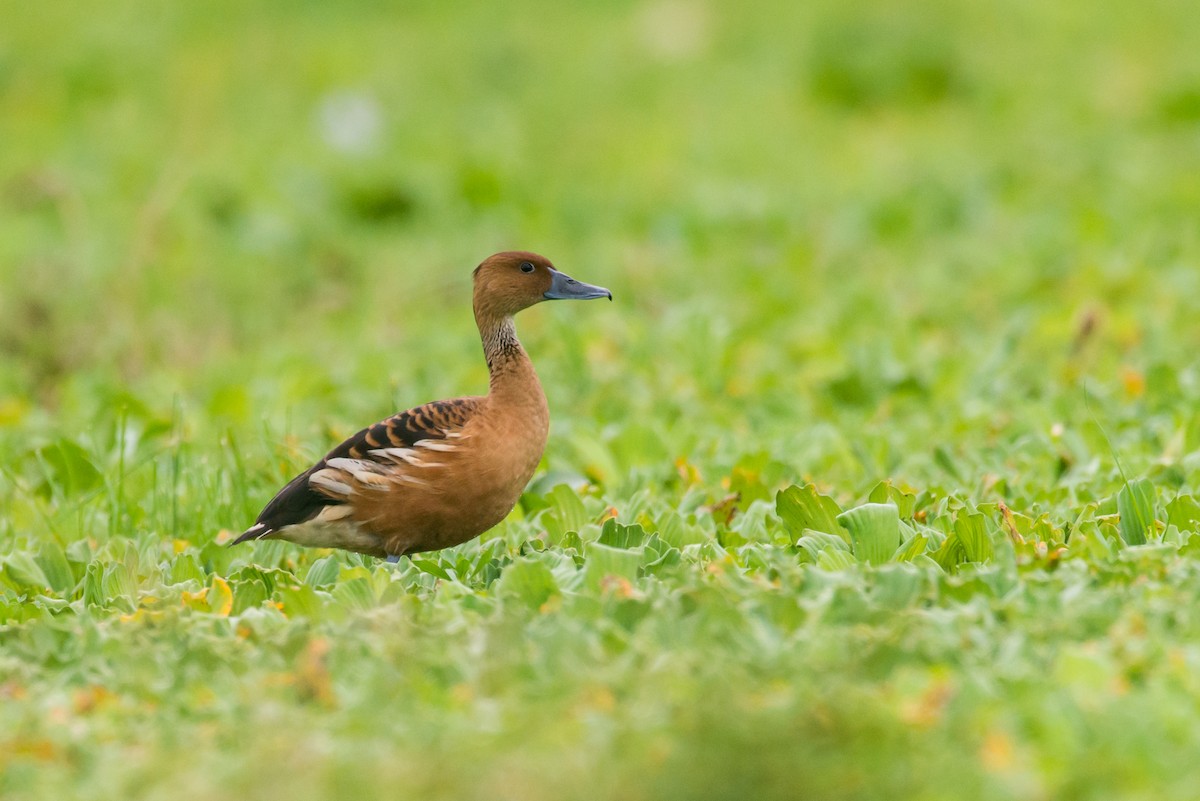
<point>511,281</point>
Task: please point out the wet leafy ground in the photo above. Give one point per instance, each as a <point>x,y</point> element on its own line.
<point>880,478</point>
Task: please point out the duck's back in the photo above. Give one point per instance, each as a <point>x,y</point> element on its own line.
<point>394,450</point>
<point>427,478</point>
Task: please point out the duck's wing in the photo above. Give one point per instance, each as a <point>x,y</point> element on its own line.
<point>370,455</point>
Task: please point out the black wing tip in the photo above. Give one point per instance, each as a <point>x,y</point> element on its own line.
<point>255,532</point>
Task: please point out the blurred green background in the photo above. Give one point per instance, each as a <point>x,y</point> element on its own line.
<point>949,245</point>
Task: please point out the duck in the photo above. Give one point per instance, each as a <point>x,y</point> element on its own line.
<point>439,474</point>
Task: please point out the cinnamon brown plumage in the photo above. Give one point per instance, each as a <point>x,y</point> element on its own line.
<point>439,474</point>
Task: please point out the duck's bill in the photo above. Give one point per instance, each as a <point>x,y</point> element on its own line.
<point>564,287</point>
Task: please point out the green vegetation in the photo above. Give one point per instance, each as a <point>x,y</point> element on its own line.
<point>901,291</point>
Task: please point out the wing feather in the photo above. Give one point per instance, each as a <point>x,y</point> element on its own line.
<point>363,458</point>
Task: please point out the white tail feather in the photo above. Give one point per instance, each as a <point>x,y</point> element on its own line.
<point>398,455</point>
<point>330,480</point>
<point>435,445</point>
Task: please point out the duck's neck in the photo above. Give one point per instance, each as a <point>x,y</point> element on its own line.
<point>512,380</point>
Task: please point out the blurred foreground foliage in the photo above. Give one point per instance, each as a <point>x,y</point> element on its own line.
<point>832,506</point>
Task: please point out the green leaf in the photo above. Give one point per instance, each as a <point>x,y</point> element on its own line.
<point>1135,505</point>
<point>885,492</point>
<point>803,508</point>
<point>654,563</point>
<point>911,548</point>
<point>566,513</point>
<point>897,586</point>
<point>746,479</point>
<point>833,559</point>
<point>185,568</point>
<point>621,536</point>
<point>119,585</point>
<point>1184,513</point>
<point>301,601</point>
<point>25,573</point>
<point>433,568</point>
<point>971,531</point>
<point>56,569</point>
<point>678,533</point>
<point>324,571</point>
<point>603,561</point>
<point>951,554</point>
<point>93,585</point>
<point>816,541</point>
<point>68,468</point>
<point>355,593</point>
<point>529,580</point>
<point>874,531</point>
<point>248,595</point>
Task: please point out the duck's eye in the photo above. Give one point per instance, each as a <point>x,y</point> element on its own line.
<point>526,267</point>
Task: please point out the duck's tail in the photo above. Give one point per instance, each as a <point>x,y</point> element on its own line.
<point>255,532</point>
